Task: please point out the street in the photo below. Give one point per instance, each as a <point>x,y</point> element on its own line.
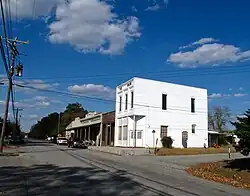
<point>48,169</point>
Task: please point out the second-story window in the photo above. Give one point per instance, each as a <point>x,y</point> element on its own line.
<point>120,104</point>
<point>193,105</point>
<point>126,101</point>
<point>164,101</point>
<point>132,99</point>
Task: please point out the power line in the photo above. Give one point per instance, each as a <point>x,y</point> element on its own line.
<point>5,32</point>
<point>158,74</point>
<point>224,68</point>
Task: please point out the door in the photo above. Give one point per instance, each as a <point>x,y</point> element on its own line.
<point>139,138</point>
<point>184,139</point>
<point>131,138</point>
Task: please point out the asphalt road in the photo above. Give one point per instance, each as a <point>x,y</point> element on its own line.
<point>46,169</point>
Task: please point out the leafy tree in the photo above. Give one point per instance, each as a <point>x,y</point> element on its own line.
<point>218,118</point>
<point>11,126</point>
<point>71,112</point>
<point>242,126</point>
<point>48,125</point>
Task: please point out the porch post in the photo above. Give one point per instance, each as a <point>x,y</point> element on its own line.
<point>85,134</point>
<point>134,131</point>
<point>106,134</point>
<point>80,133</point>
<point>89,133</point>
<point>110,133</point>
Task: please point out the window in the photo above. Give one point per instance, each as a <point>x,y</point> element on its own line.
<point>193,128</point>
<point>120,106</point>
<point>132,134</point>
<point>126,101</point>
<point>164,101</point>
<point>164,131</point>
<point>120,133</point>
<point>125,132</point>
<point>139,135</point>
<point>193,105</point>
<point>132,99</point>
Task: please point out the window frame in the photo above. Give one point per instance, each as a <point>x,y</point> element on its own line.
<point>132,99</point>
<point>164,102</point>
<point>126,101</point>
<point>193,105</point>
<point>119,133</point>
<point>120,103</point>
<point>193,128</point>
<point>164,133</point>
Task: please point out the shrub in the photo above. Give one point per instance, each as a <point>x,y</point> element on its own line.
<point>167,142</point>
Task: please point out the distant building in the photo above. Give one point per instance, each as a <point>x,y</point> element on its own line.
<point>147,110</point>
<point>97,127</point>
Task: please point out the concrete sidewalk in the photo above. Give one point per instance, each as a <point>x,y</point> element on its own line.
<point>121,151</point>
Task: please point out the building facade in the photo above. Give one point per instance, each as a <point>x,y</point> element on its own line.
<point>97,127</point>
<point>148,110</point>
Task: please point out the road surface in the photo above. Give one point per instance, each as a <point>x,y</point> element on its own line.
<point>47,169</point>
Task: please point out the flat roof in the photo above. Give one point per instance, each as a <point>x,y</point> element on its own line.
<point>140,78</point>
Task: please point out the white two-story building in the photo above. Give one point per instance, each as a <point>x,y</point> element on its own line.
<point>147,110</point>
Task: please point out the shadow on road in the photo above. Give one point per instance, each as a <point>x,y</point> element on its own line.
<point>53,180</point>
<point>239,164</point>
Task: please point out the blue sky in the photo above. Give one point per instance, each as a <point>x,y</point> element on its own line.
<point>90,46</point>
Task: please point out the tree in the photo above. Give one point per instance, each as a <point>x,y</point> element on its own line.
<point>48,125</point>
<point>242,126</point>
<point>11,126</point>
<point>218,117</point>
<point>71,112</point>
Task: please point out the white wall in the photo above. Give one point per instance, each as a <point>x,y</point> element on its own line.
<point>178,116</point>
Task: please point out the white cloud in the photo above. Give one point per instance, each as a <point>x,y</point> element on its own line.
<point>241,88</point>
<point>221,95</point>
<point>209,54</point>
<point>199,42</point>
<point>27,9</point>
<point>134,9</point>
<point>153,8</point>
<point>33,117</point>
<point>156,5</point>
<point>93,90</point>
<point>87,25</point>
<point>92,26</point>
<point>240,94</point>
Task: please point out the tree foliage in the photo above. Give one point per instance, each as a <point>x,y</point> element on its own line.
<point>48,125</point>
<point>11,126</point>
<point>218,117</point>
<point>242,126</point>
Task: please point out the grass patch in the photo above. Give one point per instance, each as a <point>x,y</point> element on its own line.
<point>233,172</point>
<point>191,151</point>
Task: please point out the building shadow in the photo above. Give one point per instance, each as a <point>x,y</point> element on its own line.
<point>239,164</point>
<point>46,180</point>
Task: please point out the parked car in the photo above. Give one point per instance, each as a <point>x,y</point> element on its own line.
<point>76,143</point>
<point>62,141</point>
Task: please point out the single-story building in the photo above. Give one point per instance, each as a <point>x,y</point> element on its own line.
<point>97,127</point>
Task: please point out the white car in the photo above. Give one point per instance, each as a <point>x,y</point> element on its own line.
<point>62,141</point>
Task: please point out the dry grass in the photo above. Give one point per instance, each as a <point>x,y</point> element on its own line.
<point>192,151</point>
<point>234,172</point>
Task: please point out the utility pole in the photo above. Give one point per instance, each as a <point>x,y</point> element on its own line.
<point>11,71</point>
<point>58,125</point>
<point>17,122</point>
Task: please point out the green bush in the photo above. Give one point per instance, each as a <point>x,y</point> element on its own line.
<point>167,142</point>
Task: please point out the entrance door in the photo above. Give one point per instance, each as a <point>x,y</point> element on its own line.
<point>184,139</point>
<point>131,138</point>
<point>139,138</point>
